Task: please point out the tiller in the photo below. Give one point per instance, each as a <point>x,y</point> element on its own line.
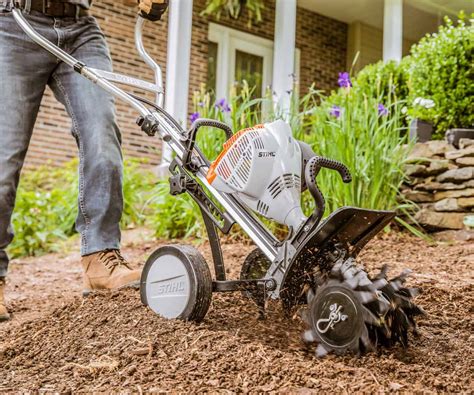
<point>263,170</point>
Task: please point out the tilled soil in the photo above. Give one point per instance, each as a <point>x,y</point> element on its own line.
<point>60,342</point>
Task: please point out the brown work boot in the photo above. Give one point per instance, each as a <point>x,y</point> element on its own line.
<point>108,270</point>
<point>4,316</point>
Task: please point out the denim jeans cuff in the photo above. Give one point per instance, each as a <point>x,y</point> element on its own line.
<point>3,264</point>
<point>96,241</point>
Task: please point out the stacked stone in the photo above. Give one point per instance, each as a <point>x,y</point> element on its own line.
<point>441,182</point>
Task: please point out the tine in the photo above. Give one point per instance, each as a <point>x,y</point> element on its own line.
<point>396,284</point>
<point>366,297</point>
<point>409,292</point>
<point>380,283</point>
<point>309,336</point>
<point>304,315</point>
<point>383,273</point>
<point>321,351</point>
<point>368,345</point>
<point>402,276</point>
<point>370,318</point>
<point>352,282</point>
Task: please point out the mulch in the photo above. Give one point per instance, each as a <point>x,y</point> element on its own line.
<point>111,342</point>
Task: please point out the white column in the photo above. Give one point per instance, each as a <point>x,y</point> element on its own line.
<point>393,30</point>
<point>284,53</point>
<point>180,22</point>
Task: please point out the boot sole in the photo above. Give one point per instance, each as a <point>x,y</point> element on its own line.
<point>89,292</point>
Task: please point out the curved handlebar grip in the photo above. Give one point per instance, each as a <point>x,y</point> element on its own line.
<point>311,172</point>
<point>214,124</point>
<point>318,161</point>
<point>191,138</point>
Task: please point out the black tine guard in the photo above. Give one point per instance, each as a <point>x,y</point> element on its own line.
<point>311,172</point>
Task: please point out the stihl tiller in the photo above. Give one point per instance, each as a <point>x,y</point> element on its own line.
<point>263,170</point>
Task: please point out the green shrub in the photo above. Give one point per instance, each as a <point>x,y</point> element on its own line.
<point>173,216</point>
<point>234,8</point>
<point>441,70</point>
<point>383,81</point>
<point>46,206</point>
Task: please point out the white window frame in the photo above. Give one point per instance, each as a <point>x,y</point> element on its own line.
<point>229,41</point>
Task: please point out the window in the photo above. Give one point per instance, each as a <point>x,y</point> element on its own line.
<point>212,66</point>
<point>249,67</point>
<point>235,56</point>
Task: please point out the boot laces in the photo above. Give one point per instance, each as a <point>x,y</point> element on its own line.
<point>112,259</point>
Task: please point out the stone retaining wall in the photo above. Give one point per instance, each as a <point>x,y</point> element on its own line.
<point>442,184</point>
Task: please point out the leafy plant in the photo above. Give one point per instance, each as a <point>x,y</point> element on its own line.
<point>441,70</point>
<point>234,8</point>
<point>173,216</point>
<point>384,80</point>
<point>46,205</point>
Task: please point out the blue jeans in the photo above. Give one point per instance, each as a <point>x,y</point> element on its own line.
<point>25,71</point>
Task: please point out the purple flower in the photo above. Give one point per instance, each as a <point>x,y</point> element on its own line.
<point>223,105</point>
<point>335,111</point>
<point>344,80</point>
<point>382,110</point>
<point>201,104</point>
<point>194,116</point>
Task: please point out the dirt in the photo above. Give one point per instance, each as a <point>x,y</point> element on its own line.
<point>60,342</point>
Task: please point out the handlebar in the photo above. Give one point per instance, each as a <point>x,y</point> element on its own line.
<point>311,172</point>
<point>139,26</point>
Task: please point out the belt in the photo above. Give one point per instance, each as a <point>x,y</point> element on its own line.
<point>56,8</point>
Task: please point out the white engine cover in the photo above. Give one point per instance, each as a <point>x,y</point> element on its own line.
<point>262,165</point>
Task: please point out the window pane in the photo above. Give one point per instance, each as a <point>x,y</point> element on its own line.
<point>211,67</point>
<point>249,67</point>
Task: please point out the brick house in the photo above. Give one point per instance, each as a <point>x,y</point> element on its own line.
<point>323,37</point>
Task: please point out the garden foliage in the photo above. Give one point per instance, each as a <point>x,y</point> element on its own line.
<point>234,8</point>
<point>441,69</point>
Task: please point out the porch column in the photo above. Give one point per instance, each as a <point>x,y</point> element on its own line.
<point>284,53</point>
<point>180,22</point>
<point>393,30</point>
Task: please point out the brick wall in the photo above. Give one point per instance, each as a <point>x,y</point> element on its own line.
<point>322,42</point>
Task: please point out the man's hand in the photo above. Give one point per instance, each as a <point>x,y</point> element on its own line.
<point>152,9</point>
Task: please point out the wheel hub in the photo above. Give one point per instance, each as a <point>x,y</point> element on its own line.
<point>336,316</point>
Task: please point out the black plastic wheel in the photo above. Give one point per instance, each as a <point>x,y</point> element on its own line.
<point>176,283</point>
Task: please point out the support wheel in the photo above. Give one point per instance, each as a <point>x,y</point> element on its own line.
<point>176,283</point>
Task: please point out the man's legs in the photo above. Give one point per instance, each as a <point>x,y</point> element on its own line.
<point>24,71</point>
<point>98,138</point>
<point>100,171</point>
